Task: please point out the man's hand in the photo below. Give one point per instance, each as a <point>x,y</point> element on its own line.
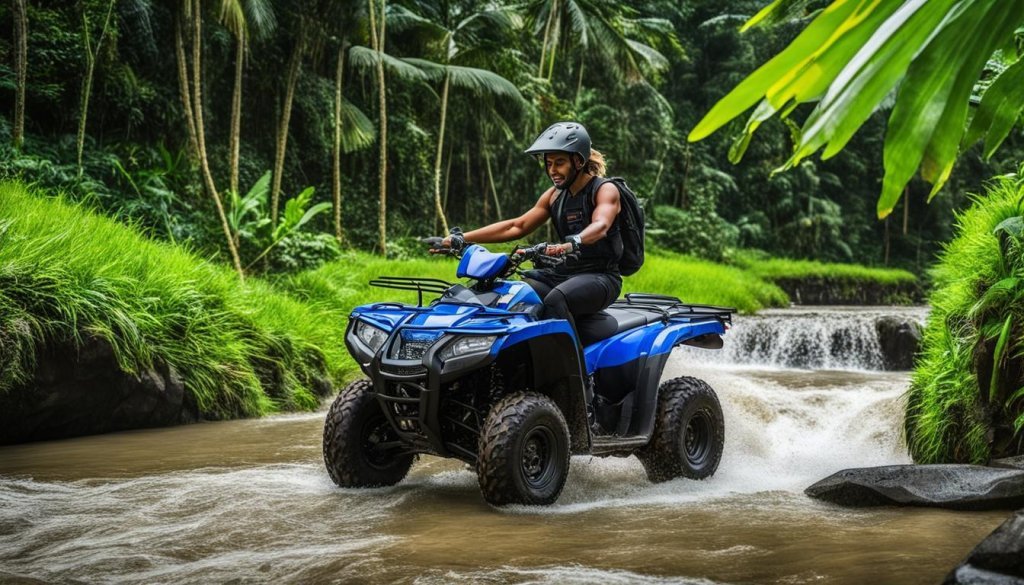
<point>558,249</point>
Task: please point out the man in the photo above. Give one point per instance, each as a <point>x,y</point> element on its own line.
<point>583,209</point>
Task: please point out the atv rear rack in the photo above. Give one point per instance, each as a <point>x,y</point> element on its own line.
<point>670,307</point>
<point>420,285</point>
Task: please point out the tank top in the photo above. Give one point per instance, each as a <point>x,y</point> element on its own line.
<point>570,214</point>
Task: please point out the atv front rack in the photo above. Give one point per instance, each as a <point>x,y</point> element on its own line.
<point>670,307</point>
<point>420,285</point>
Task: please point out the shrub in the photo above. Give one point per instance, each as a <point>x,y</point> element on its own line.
<point>966,400</point>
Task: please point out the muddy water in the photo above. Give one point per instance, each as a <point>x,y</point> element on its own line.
<point>249,501</point>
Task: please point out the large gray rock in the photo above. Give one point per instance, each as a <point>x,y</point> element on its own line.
<point>84,391</point>
<point>899,340</point>
<point>998,559</point>
<point>959,487</point>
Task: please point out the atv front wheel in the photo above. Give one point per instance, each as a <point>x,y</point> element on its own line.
<point>689,433</point>
<point>523,455</point>
<point>360,447</point>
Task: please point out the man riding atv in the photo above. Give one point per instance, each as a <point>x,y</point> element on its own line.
<point>583,209</point>
<point>514,376</point>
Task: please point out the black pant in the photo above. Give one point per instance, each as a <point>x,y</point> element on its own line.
<point>567,296</point>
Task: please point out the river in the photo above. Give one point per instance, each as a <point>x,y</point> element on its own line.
<point>250,502</point>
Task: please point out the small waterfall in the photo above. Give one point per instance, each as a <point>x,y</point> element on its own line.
<point>817,338</point>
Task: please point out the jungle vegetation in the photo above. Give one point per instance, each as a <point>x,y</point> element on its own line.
<point>273,135</point>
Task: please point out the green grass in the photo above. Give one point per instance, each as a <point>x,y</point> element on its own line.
<point>777,268</point>
<point>67,274</point>
<point>951,408</point>
<point>341,285</point>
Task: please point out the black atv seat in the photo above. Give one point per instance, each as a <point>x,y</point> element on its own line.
<point>604,324</point>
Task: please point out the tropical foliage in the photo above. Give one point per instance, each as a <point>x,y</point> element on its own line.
<point>413,113</point>
<point>966,401</point>
<point>855,53</point>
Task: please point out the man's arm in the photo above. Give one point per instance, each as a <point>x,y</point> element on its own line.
<point>513,229</point>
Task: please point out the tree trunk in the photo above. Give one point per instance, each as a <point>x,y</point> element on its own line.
<point>579,80</point>
<point>547,35</point>
<point>90,67</point>
<point>447,179</point>
<point>494,189</point>
<point>440,150</point>
<point>294,64</point>
<point>336,166</point>
<point>183,87</point>
<point>554,42</point>
<point>377,38</point>
<point>197,110</point>
<point>236,110</point>
<point>20,69</point>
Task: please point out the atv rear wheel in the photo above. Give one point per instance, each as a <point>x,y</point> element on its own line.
<point>689,433</point>
<point>360,447</point>
<point>523,455</point>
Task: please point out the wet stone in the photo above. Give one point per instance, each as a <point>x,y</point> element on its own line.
<point>996,560</point>
<point>1009,462</point>
<point>958,487</point>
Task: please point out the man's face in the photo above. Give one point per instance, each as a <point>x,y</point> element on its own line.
<point>559,166</point>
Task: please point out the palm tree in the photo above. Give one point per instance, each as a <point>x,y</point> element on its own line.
<point>301,27</point>
<point>239,17</point>
<point>611,32</point>
<point>377,40</point>
<point>460,41</point>
<point>192,97</point>
<point>90,67</point>
<point>21,70</point>
<point>854,54</point>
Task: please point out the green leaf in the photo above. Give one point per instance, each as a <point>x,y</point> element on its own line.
<point>1011,226</point>
<point>927,122</point>
<point>311,213</point>
<point>868,77</point>
<point>997,357</point>
<point>754,87</point>
<point>776,12</point>
<point>364,59</point>
<point>1000,109</point>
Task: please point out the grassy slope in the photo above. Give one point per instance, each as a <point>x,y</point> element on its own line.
<point>946,418</point>
<point>66,273</point>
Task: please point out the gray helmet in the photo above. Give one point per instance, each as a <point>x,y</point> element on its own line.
<point>563,137</point>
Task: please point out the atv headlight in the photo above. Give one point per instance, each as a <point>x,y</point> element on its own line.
<point>467,345</point>
<point>412,344</point>
<point>373,337</point>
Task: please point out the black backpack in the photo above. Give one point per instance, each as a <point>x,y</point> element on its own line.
<point>631,227</point>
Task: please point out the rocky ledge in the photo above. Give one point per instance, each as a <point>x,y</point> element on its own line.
<point>84,391</point>
<point>847,291</point>
<point>958,487</point>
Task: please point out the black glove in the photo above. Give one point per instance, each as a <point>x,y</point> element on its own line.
<point>458,241</point>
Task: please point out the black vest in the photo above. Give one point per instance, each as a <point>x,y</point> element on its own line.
<point>570,214</point>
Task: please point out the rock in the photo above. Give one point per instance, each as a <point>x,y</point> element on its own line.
<point>1008,462</point>
<point>85,392</point>
<point>899,340</point>
<point>998,559</point>
<point>959,487</point>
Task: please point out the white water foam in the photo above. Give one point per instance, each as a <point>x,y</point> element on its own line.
<point>808,337</point>
<point>213,525</point>
<point>778,439</point>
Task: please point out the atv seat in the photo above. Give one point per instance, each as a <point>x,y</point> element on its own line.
<point>606,323</point>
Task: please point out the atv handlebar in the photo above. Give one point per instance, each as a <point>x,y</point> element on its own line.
<point>536,253</point>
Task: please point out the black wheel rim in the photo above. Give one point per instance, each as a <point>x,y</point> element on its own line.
<point>536,460</point>
<point>377,435</point>
<point>697,438</point>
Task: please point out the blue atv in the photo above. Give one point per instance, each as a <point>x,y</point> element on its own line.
<point>476,376</point>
